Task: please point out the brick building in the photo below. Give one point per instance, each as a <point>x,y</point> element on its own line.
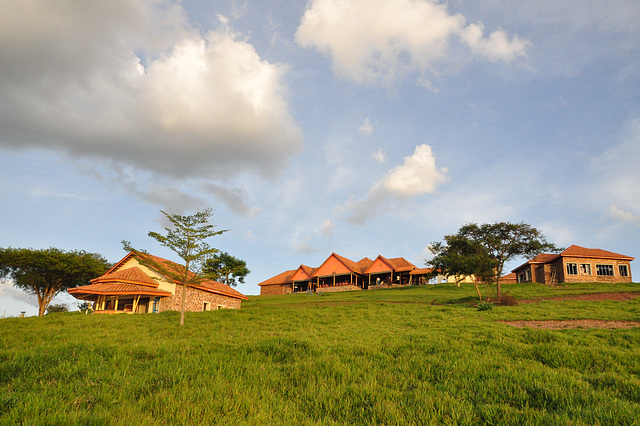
<point>131,287</point>
<point>576,264</point>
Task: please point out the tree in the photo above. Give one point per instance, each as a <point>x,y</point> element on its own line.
<point>186,238</point>
<point>504,241</point>
<point>47,272</point>
<point>461,257</point>
<point>227,269</point>
<point>57,307</point>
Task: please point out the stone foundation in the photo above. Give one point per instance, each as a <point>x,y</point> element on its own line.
<point>337,288</point>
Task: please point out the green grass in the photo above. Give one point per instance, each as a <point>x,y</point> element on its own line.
<point>420,355</point>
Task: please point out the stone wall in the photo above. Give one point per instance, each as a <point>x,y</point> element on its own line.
<point>194,301</point>
<point>275,289</point>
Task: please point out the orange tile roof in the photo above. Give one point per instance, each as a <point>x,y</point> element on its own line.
<point>117,289</point>
<point>401,264</point>
<point>133,275</point>
<point>364,264</point>
<point>577,251</point>
<point>207,285</point>
<point>283,278</point>
<point>420,271</point>
<point>219,288</point>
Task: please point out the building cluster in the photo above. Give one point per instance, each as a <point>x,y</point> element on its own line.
<point>337,273</point>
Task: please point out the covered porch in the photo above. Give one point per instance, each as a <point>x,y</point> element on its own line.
<point>109,300</point>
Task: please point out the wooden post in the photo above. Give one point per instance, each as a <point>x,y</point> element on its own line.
<point>115,305</point>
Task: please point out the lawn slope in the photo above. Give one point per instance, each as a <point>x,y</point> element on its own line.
<point>420,355</point>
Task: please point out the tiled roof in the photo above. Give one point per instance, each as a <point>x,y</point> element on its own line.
<point>216,287</point>
<point>210,286</point>
<point>420,271</point>
<point>283,278</point>
<point>401,264</point>
<point>110,288</point>
<point>133,275</point>
<point>364,264</point>
<point>541,258</point>
<point>577,251</point>
<point>349,263</point>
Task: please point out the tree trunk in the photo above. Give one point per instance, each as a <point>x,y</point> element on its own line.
<point>499,290</point>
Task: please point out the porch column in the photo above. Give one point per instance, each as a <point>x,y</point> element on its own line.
<point>135,304</point>
<point>115,304</point>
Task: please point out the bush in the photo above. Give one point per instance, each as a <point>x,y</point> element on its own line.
<point>484,306</point>
<point>61,307</point>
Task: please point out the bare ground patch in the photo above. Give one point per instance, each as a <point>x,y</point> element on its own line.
<point>566,324</point>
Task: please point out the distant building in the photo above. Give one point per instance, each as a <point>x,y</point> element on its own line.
<point>576,264</point>
<point>130,287</point>
<point>337,273</point>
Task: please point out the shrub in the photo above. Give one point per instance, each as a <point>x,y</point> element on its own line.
<point>484,306</point>
<point>60,307</point>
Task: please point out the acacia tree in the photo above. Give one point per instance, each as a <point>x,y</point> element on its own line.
<point>461,257</point>
<point>47,272</point>
<point>186,238</point>
<point>226,268</point>
<point>504,241</point>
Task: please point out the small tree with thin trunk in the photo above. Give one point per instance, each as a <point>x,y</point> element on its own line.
<point>186,238</point>
<point>45,273</point>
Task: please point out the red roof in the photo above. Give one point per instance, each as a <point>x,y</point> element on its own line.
<point>133,275</point>
<point>283,278</point>
<point>577,251</point>
<point>117,289</point>
<point>421,271</point>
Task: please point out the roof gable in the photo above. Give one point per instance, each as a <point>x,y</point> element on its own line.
<point>133,275</point>
<point>381,264</point>
<point>337,265</point>
<point>303,273</point>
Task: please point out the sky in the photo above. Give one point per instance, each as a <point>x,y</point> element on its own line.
<point>360,127</point>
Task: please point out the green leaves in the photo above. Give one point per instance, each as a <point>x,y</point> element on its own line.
<point>47,272</point>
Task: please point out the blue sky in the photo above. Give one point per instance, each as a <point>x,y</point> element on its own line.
<point>362,127</point>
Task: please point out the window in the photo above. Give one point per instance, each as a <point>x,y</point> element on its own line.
<point>604,270</point>
<point>521,278</point>
<point>206,306</point>
<point>527,275</point>
<point>572,268</point>
<point>585,268</point>
<point>624,271</point>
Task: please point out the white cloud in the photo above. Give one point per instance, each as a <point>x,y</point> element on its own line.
<point>366,128</point>
<point>416,176</point>
<point>327,228</point>
<point>380,156</point>
<point>623,215</point>
<point>369,40</point>
<point>130,82</point>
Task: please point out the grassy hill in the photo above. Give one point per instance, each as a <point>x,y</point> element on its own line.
<point>419,355</point>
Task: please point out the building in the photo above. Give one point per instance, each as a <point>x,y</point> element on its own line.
<point>338,273</point>
<point>131,287</point>
<point>576,264</point>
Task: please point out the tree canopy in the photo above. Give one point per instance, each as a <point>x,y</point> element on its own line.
<point>186,237</point>
<point>227,269</point>
<point>461,257</point>
<point>47,272</point>
<point>502,242</point>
